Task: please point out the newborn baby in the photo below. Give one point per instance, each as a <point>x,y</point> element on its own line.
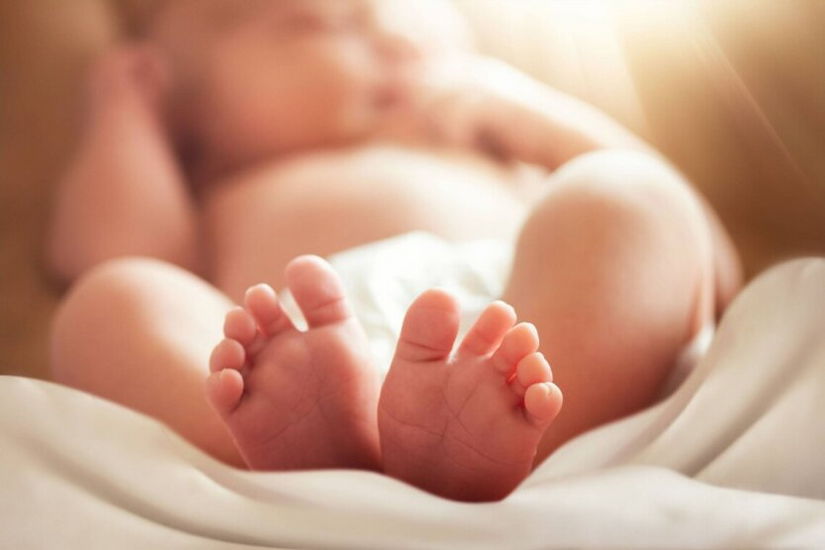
<point>240,136</point>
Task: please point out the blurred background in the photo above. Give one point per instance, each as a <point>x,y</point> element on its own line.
<point>732,91</point>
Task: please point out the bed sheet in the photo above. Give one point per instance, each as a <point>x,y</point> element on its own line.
<point>733,458</point>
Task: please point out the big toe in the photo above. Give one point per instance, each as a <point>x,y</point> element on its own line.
<point>430,327</point>
<point>318,291</point>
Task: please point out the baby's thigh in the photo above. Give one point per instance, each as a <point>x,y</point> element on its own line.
<point>119,322</point>
<point>139,332</point>
<point>613,267</point>
<point>626,216</point>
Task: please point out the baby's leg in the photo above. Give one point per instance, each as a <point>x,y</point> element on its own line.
<point>614,267</point>
<point>140,332</point>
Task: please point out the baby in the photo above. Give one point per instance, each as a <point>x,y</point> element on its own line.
<point>242,135</point>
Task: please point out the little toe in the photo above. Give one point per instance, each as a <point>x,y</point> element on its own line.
<point>240,325</point>
<point>318,291</point>
<point>488,331</point>
<point>430,327</point>
<point>542,402</point>
<point>519,342</point>
<point>263,304</point>
<point>533,369</point>
<point>228,354</point>
<point>224,390</point>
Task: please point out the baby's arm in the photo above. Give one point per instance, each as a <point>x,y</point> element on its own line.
<point>123,193</point>
<point>485,103</point>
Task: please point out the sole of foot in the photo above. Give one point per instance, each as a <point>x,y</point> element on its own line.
<point>297,399</point>
<point>465,425</point>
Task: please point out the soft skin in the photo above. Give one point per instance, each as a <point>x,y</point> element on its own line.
<point>238,141</point>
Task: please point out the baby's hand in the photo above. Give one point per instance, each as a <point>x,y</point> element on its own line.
<point>480,103</point>
<point>489,105</point>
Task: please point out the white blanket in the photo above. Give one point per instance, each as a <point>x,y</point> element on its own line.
<point>734,458</point>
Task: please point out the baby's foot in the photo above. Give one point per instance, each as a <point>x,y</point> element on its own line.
<point>291,399</point>
<point>464,426</point>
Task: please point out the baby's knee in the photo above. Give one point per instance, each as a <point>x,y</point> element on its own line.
<point>103,296</point>
<point>619,167</point>
<point>115,280</point>
<point>619,175</point>
<point>626,190</point>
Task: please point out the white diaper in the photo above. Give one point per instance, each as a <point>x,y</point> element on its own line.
<point>383,278</point>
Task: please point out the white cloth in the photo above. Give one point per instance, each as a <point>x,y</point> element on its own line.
<point>383,278</point>
<point>733,458</point>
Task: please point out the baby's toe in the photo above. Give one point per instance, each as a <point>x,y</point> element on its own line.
<point>224,390</point>
<point>318,291</point>
<point>519,342</point>
<point>228,354</point>
<point>487,332</point>
<point>430,327</point>
<point>262,302</point>
<point>542,402</point>
<point>240,325</point>
<point>532,369</point>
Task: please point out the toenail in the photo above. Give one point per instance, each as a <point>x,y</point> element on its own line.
<point>505,305</point>
<point>262,287</point>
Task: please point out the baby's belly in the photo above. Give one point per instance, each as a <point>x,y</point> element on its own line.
<point>328,202</point>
